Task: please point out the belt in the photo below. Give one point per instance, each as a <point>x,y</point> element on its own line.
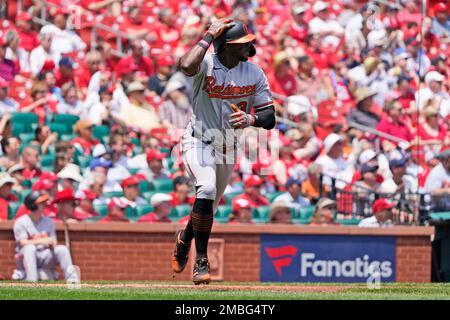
<point>208,142</point>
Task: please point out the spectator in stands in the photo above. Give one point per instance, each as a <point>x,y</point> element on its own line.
<point>362,114</point>
<point>85,207</point>
<point>65,73</point>
<point>182,187</point>
<point>419,61</point>
<point>393,124</point>
<point>96,178</point>
<point>138,113</point>
<point>15,53</point>
<point>85,72</point>
<point>8,68</point>
<point>161,209</point>
<point>143,64</point>
<point>66,40</point>
<point>158,82</point>
<point>119,170</point>
<point>434,90</point>
<point>400,180</point>
<point>48,77</point>
<point>44,57</point>
<point>241,212</point>
<point>284,81</point>
<point>280,213</point>
<point>16,172</point>
<point>155,168</point>
<point>441,22</point>
<point>7,104</point>
<point>311,186</point>
<point>431,132</point>
<point>106,110</point>
<point>84,141</point>
<point>44,138</point>
<point>297,28</point>
<point>10,149</point>
<point>116,211</point>
<point>36,240</point>
<point>324,213</point>
<point>438,181</point>
<point>28,37</point>
<point>382,215</point>
<point>329,30</point>
<point>293,196</point>
<point>131,191</point>
<point>175,112</point>
<point>304,141</point>
<point>70,176</point>
<point>30,160</point>
<point>70,103</point>
<point>332,162</point>
<point>6,196</point>
<point>65,201</point>
<point>252,192</point>
<point>61,160</point>
<point>309,82</point>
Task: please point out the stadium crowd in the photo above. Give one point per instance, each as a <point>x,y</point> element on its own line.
<point>91,116</point>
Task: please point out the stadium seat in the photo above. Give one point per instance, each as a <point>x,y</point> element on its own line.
<point>12,209</point>
<point>102,209</point>
<point>60,128</point>
<point>133,171</point>
<point>68,137</point>
<point>47,160</point>
<point>306,212</point>
<point>29,183</point>
<point>144,209</point>
<point>169,162</point>
<point>66,119</point>
<point>94,219</point>
<point>162,185</point>
<point>182,210</point>
<point>271,196</point>
<point>113,194</point>
<point>26,137</point>
<point>25,117</point>
<point>83,161</point>
<point>130,212</point>
<point>349,222</point>
<point>144,186</point>
<point>262,213</point>
<point>148,195</point>
<point>99,132</point>
<point>301,221</point>
<point>223,212</point>
<point>23,194</point>
<point>19,128</point>
<point>230,196</point>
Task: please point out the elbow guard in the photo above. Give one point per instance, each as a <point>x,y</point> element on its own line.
<point>265,118</point>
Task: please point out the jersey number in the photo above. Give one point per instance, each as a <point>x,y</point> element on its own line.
<point>242,106</point>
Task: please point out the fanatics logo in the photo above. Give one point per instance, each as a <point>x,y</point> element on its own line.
<point>281,257</point>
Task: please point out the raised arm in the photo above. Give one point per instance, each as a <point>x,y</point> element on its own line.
<point>190,62</point>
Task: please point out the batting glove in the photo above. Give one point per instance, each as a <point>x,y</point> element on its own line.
<point>240,120</point>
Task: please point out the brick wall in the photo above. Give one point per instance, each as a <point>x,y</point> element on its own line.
<point>143,252</point>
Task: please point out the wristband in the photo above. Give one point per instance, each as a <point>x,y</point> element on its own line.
<point>209,34</point>
<point>205,45</point>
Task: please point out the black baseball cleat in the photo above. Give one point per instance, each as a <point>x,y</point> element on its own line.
<point>180,253</point>
<point>201,271</point>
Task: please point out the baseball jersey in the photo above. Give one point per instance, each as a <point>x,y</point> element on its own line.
<point>25,228</point>
<point>215,88</point>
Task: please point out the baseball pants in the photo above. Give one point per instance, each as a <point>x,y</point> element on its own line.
<point>209,168</point>
<point>34,259</point>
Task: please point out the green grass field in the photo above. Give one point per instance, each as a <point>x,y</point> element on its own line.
<point>221,291</point>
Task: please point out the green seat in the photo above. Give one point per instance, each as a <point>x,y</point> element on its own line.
<point>306,212</point>
<point>101,209</point>
<point>136,141</point>
<point>94,219</point>
<point>182,210</point>
<point>144,209</point>
<point>25,117</point>
<point>12,209</point>
<point>133,171</point>
<point>29,183</point>
<point>130,212</point>
<point>99,132</point>
<point>230,196</point>
<point>349,222</point>
<point>223,211</point>
<point>301,221</point>
<point>68,137</point>
<point>24,193</point>
<point>47,160</point>
<point>60,128</point>
<point>162,185</point>
<point>83,161</point>
<point>263,213</point>
<point>48,168</point>
<point>169,162</point>
<point>148,195</point>
<point>19,128</point>
<point>113,194</point>
<point>137,150</point>
<point>67,119</point>
<point>26,137</point>
<point>144,186</point>
<point>271,196</point>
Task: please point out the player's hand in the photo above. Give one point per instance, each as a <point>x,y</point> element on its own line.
<point>217,27</point>
<point>240,119</point>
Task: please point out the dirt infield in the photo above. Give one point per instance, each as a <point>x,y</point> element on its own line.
<point>210,287</point>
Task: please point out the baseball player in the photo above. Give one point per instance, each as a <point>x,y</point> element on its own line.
<point>226,89</point>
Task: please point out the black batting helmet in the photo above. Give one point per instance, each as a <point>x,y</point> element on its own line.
<point>34,198</point>
<point>236,34</point>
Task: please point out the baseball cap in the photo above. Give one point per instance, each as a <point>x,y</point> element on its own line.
<point>64,195</point>
<point>42,185</point>
<point>434,76</point>
<point>381,204</point>
<point>130,181</point>
<point>398,162</point>
<point>117,202</point>
<point>277,206</point>
<point>300,9</point>
<point>50,176</point>
<point>15,168</point>
<point>366,156</point>
<point>172,86</point>
<point>100,150</point>
<point>86,194</point>
<point>297,105</point>
<point>319,6</point>
<point>135,86</point>
<point>6,178</point>
<point>100,162</point>
<point>440,7</point>
<point>240,204</point>
<point>293,180</point>
<point>253,181</point>
<point>155,154</point>
<point>82,124</point>
<point>71,171</point>
<point>2,42</point>
<point>330,141</point>
<point>23,16</point>
<point>165,61</point>
<point>66,62</point>
<point>159,198</point>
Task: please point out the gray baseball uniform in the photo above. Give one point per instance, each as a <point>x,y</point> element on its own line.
<point>208,146</point>
<point>40,256</point>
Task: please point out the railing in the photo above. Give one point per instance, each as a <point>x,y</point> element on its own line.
<point>356,202</point>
